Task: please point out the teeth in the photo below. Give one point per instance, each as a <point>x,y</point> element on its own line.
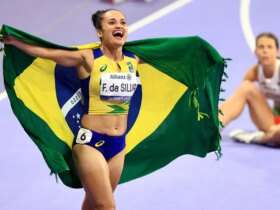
<point>117,32</point>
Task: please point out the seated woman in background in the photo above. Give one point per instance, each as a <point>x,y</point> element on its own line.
<point>261,82</point>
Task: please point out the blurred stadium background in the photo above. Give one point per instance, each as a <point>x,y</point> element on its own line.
<point>246,178</point>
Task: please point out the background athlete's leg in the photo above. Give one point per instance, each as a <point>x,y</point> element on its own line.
<point>248,93</point>
<point>272,136</point>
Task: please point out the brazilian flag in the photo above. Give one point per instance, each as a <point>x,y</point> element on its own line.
<point>174,111</point>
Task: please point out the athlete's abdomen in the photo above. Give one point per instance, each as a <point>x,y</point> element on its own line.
<point>113,125</point>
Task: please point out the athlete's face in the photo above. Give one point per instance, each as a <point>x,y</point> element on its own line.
<point>114,29</point>
<point>266,51</point>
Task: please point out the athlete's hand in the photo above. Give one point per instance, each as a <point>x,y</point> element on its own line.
<point>8,39</point>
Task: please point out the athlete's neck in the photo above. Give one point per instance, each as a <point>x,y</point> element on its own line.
<point>270,67</point>
<point>112,53</point>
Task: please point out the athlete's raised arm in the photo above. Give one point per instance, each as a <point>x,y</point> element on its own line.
<point>63,57</point>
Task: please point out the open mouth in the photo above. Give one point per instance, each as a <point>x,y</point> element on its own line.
<point>265,58</point>
<point>118,34</point>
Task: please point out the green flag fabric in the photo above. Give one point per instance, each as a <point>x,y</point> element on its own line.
<point>173,112</point>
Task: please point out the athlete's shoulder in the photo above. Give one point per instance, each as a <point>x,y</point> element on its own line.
<point>252,73</point>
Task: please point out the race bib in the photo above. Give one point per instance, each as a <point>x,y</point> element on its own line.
<point>117,86</point>
<point>84,136</point>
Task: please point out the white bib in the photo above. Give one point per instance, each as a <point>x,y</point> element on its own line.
<point>117,86</point>
<point>84,136</point>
